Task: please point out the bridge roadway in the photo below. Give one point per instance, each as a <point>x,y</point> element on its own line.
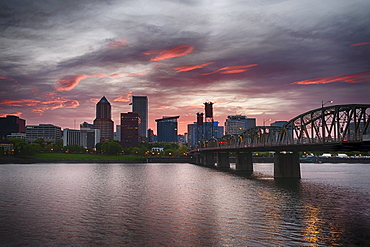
<point>334,128</point>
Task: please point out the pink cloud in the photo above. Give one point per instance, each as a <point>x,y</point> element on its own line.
<point>191,67</point>
<point>136,74</point>
<point>363,43</point>
<point>7,78</point>
<point>177,51</point>
<point>115,75</point>
<point>233,69</point>
<point>349,78</point>
<point>67,83</point>
<point>94,100</point>
<point>126,98</point>
<point>116,43</point>
<point>40,106</point>
<point>18,113</point>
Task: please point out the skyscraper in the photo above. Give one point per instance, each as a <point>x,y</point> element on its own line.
<point>167,129</point>
<point>130,123</point>
<point>103,120</point>
<point>140,105</point>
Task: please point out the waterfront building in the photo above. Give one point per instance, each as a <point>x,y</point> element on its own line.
<point>167,129</point>
<point>71,137</point>
<point>140,105</point>
<point>238,123</point>
<point>86,137</point>
<point>17,135</point>
<point>130,135</point>
<point>103,120</point>
<point>50,133</point>
<point>11,124</point>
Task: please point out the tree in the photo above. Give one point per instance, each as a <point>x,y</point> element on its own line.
<point>40,141</point>
<point>57,147</point>
<point>182,150</point>
<point>112,147</point>
<point>74,148</point>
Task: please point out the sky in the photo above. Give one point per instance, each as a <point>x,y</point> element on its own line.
<point>266,59</point>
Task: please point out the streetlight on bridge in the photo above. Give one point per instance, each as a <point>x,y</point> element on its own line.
<point>322,103</point>
<point>266,120</point>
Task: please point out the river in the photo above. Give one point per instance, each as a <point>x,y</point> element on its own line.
<point>182,205</point>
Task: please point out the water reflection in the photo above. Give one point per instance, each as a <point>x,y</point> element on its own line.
<point>174,205</point>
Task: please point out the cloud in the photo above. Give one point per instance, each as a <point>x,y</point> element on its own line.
<point>7,78</point>
<point>116,75</point>
<point>54,102</point>
<point>136,74</point>
<point>177,51</point>
<point>349,78</point>
<point>191,67</point>
<point>18,113</point>
<point>126,98</point>
<point>232,69</point>
<point>67,83</point>
<point>116,43</point>
<point>363,43</point>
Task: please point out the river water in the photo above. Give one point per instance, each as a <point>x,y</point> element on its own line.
<point>182,205</point>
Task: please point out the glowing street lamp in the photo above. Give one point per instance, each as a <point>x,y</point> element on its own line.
<point>322,103</point>
<point>265,120</point>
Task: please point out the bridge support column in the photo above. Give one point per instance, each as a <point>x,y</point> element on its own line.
<point>209,159</point>
<point>286,165</point>
<point>223,160</point>
<point>199,159</point>
<point>244,162</point>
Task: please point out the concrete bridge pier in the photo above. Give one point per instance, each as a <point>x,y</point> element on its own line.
<point>244,162</point>
<point>209,159</point>
<point>287,165</point>
<point>199,159</point>
<point>223,160</point>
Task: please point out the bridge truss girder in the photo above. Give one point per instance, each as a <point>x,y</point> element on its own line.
<point>333,124</point>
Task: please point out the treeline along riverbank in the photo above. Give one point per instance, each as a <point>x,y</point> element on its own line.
<point>154,159</point>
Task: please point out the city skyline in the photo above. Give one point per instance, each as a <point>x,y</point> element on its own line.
<point>262,59</point>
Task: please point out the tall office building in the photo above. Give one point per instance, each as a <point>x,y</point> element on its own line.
<point>140,105</point>
<point>103,120</point>
<point>130,123</point>
<point>167,129</point>
<point>11,124</point>
<point>238,123</point>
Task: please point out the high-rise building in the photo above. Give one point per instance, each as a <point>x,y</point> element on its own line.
<point>103,120</point>
<point>140,105</point>
<point>11,124</point>
<point>85,137</point>
<point>130,123</point>
<point>167,129</point>
<point>238,123</point>
<point>197,133</point>
<point>50,133</point>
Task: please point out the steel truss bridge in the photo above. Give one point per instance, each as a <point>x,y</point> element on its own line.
<point>331,128</point>
<point>339,127</point>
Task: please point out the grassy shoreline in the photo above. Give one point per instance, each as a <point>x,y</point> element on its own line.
<point>77,158</point>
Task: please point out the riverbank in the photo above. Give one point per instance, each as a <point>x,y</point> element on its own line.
<point>71,158</point>
<point>133,159</point>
